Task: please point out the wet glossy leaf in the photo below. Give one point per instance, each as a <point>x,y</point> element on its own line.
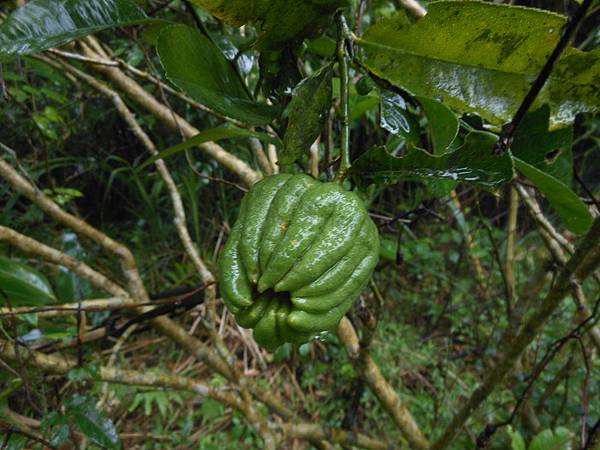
<point>93,423</point>
<point>548,151</point>
<point>486,67</point>
<point>442,122</point>
<point>472,163</point>
<point>69,286</point>
<point>42,24</point>
<point>306,114</point>
<point>23,285</point>
<point>395,117</point>
<point>277,21</point>
<point>194,64</point>
<point>214,135</point>
<point>565,202</point>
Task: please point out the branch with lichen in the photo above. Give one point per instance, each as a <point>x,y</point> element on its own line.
<point>385,393</point>
<point>277,432</point>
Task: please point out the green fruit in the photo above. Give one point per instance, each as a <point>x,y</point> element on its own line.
<point>297,258</point>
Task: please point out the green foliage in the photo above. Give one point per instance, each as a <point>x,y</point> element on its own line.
<point>560,439</point>
<point>306,114</point>
<point>567,204</point>
<point>487,68</point>
<point>22,285</point>
<point>473,163</point>
<point>278,21</point>
<point>163,401</point>
<point>42,24</point>
<point>210,135</point>
<point>442,88</point>
<point>192,62</point>
<point>81,411</point>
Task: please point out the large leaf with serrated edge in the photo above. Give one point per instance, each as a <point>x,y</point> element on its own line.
<point>474,162</point>
<point>482,57</point>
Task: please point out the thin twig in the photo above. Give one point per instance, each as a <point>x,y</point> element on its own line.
<point>506,138</point>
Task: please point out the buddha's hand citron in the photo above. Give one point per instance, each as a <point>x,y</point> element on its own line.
<point>297,258</point>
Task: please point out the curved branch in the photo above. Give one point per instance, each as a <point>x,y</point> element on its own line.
<point>371,374</point>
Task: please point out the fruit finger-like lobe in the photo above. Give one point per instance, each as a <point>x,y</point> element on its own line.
<point>257,207</point>
<point>305,322</point>
<point>324,303</point>
<point>342,270</point>
<point>297,258</point>
<point>249,317</point>
<point>312,212</point>
<point>286,332</point>
<point>334,241</point>
<point>265,331</point>
<point>235,286</point>
<point>279,217</point>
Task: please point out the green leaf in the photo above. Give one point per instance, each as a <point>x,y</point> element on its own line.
<point>547,440</point>
<point>42,24</point>
<point>277,21</point>
<point>395,116</point>
<point>214,135</point>
<point>487,67</point>
<point>548,151</point>
<point>194,64</point>
<point>306,114</point>
<point>210,409</point>
<point>93,423</point>
<point>472,163</point>
<point>517,441</point>
<point>23,285</point>
<point>442,121</point>
<point>565,202</point>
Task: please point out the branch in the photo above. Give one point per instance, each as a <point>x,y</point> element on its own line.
<point>553,241</point>
<point>579,267</point>
<point>511,233</point>
<point>136,287</point>
<point>28,245</point>
<point>505,140</point>
<point>371,374</point>
<point>171,119</point>
<point>342,57</point>
<point>65,309</point>
<point>317,433</point>
<point>145,76</point>
<point>62,366</point>
<point>128,264</point>
<point>413,7</point>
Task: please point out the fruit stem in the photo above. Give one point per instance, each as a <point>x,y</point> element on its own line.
<point>342,57</point>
